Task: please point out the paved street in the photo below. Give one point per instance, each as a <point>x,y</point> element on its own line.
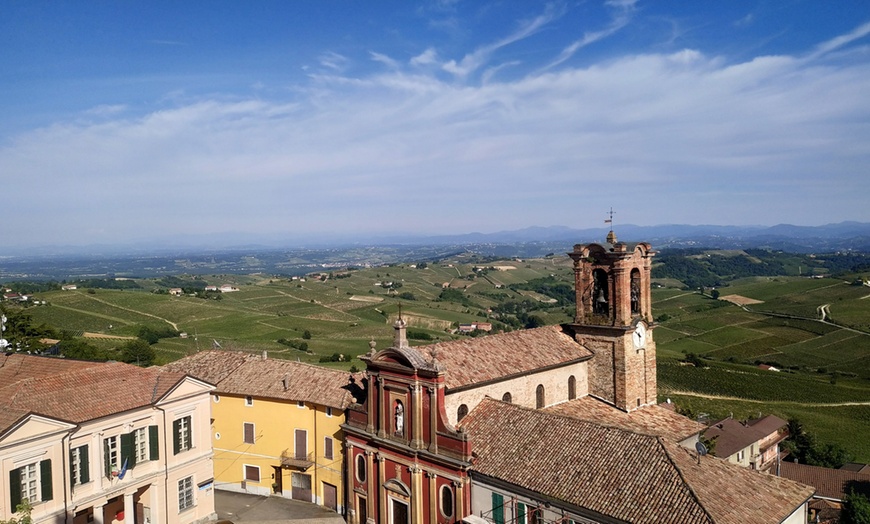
<point>255,509</point>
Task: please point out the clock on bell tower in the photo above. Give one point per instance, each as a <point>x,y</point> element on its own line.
<point>614,320</point>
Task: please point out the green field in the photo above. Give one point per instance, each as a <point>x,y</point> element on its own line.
<point>824,377</point>
<point>825,366</point>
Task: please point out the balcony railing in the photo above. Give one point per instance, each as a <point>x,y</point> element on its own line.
<point>290,459</point>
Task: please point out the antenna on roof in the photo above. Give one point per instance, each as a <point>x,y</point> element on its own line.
<point>701,449</point>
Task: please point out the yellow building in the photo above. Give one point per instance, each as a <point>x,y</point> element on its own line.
<point>275,425</point>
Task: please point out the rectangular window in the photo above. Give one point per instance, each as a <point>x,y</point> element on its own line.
<point>249,401</point>
<point>111,455</point>
<point>182,430</point>
<point>140,444</point>
<point>249,433</point>
<point>79,466</point>
<point>31,482</point>
<point>328,412</point>
<point>252,473</point>
<point>185,494</point>
<point>300,404</point>
<point>327,448</point>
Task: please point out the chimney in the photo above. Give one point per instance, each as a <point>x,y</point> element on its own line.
<point>286,382</point>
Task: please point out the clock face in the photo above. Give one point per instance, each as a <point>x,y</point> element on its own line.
<point>639,336</point>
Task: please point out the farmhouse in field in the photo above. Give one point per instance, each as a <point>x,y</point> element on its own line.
<point>554,424</point>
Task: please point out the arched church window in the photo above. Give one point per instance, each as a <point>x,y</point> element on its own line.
<point>635,292</point>
<point>461,412</point>
<point>540,400</point>
<point>600,298</point>
<point>572,388</point>
<point>506,397</point>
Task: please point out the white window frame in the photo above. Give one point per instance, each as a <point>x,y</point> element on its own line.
<point>249,401</point>
<point>328,411</point>
<point>245,473</point>
<point>113,445</point>
<point>30,483</point>
<point>186,499</point>
<point>185,438</point>
<point>140,445</point>
<point>75,464</point>
<point>300,404</point>
<point>245,432</point>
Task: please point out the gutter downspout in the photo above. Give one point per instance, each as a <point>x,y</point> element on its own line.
<point>64,454</point>
<point>165,467</point>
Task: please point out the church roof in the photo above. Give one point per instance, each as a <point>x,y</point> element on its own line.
<point>474,361</point>
<point>238,373</point>
<point>650,420</point>
<point>626,475</point>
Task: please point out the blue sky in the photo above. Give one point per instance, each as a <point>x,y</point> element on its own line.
<point>135,121</point>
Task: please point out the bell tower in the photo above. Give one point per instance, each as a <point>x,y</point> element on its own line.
<point>614,320</point>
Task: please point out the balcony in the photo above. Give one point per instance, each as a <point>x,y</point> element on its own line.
<point>290,459</point>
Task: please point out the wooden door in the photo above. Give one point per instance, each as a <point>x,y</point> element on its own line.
<point>330,496</point>
<point>301,444</point>
<point>279,480</point>
<point>301,486</point>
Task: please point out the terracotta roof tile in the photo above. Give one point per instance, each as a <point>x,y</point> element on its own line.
<point>239,373</point>
<point>650,420</point>
<point>830,483</point>
<point>628,476</point>
<point>471,361</point>
<point>76,393</point>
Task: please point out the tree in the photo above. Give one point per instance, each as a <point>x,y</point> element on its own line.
<point>306,335</point>
<point>81,350</point>
<point>715,294</point>
<point>24,509</point>
<point>137,352</point>
<point>856,509</point>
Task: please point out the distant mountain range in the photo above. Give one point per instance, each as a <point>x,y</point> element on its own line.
<point>844,236</point>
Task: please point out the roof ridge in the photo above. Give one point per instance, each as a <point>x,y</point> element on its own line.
<point>686,483</point>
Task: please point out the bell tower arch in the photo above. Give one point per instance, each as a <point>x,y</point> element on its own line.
<point>613,318</point>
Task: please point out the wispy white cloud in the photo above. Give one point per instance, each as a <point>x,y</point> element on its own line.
<point>384,59</point>
<point>622,16</point>
<point>427,57</point>
<point>840,41</point>
<point>333,61</point>
<point>473,61</point>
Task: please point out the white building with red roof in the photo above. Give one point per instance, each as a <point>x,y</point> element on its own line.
<point>103,443</point>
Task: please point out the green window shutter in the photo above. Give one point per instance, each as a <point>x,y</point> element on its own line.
<point>176,437</point>
<point>72,478</point>
<point>84,464</point>
<point>521,513</point>
<point>127,454</point>
<point>45,479</point>
<point>497,508</point>
<point>153,443</point>
<point>14,488</point>
<point>106,459</point>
